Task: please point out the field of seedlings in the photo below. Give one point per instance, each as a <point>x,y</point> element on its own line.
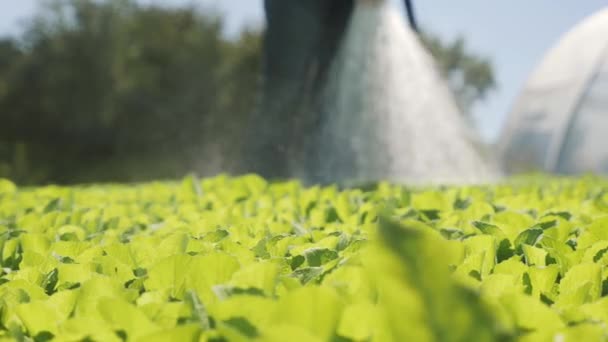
<point>241,259</point>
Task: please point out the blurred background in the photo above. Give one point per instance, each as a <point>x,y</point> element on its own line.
<point>126,90</point>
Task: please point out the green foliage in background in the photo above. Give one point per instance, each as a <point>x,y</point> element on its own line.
<point>469,75</point>
<point>93,85</point>
<point>239,259</point>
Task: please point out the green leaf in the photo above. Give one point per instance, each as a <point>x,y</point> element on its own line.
<point>512,223</point>
<point>191,187</point>
<point>359,321</point>
<point>295,333</point>
<point>489,229</point>
<point>431,200</point>
<point>316,257</point>
<point>93,327</point>
<point>482,244</point>
<point>534,256</point>
<point>71,233</point>
<point>242,326</point>
<point>259,311</point>
<point>315,309</point>
<point>583,332</point>
<point>530,314</point>
<point>38,317</point>
<point>73,273</point>
<point>497,285</point>
<point>189,332</point>
<point>95,289</point>
<point>594,232</point>
<point>262,275</point>
<point>561,253</point>
<point>124,316</point>
<point>596,311</point>
<point>543,279</point>
<point>49,283</point>
<point>38,243</point>
<point>343,207</point>
<point>53,205</point>
<point>448,311</point>
<point>170,275</point>
<point>199,312</point>
<point>477,211</point>
<point>308,274</point>
<point>7,187</point>
<point>527,237</point>
<point>582,284</point>
<point>208,271</point>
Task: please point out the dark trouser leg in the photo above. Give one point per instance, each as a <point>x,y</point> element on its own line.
<point>301,39</point>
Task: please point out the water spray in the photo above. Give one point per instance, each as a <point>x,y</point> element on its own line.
<point>350,94</point>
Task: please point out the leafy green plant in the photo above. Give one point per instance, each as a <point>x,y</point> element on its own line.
<point>236,259</point>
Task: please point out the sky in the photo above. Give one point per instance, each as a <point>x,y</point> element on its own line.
<point>514,34</point>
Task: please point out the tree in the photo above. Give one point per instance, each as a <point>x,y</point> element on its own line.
<point>469,75</point>
<point>117,90</point>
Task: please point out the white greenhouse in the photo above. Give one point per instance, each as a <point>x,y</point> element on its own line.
<point>560,121</point>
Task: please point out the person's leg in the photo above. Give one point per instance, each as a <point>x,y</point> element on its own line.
<point>301,39</point>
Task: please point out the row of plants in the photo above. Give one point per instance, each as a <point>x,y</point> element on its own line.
<point>238,259</point>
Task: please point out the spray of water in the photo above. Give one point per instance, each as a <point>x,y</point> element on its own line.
<point>389,112</point>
